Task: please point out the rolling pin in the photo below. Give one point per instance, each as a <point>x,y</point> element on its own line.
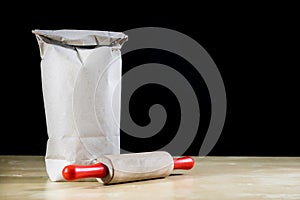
<point>121,168</point>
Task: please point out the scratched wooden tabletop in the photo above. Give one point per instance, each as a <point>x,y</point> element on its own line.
<point>24,177</point>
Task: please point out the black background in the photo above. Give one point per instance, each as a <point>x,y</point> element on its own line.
<point>254,52</point>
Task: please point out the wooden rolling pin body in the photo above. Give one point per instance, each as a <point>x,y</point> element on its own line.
<point>129,167</point>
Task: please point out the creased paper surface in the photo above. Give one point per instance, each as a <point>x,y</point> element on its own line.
<point>81,75</point>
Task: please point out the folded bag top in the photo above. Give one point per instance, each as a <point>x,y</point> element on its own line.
<point>82,37</point>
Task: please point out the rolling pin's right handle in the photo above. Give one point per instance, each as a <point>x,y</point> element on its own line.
<point>185,162</point>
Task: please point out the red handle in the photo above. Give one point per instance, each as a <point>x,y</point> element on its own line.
<point>185,162</point>
<point>73,172</point>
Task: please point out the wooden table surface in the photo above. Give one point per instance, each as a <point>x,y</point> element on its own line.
<point>24,177</point>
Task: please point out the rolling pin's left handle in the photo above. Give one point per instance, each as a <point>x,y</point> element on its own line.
<point>74,172</point>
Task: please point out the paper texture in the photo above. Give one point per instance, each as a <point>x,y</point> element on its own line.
<point>137,166</point>
<point>81,74</point>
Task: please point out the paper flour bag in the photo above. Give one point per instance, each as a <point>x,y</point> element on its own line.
<point>81,74</point>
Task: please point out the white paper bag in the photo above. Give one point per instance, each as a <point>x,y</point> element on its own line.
<point>81,74</point>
